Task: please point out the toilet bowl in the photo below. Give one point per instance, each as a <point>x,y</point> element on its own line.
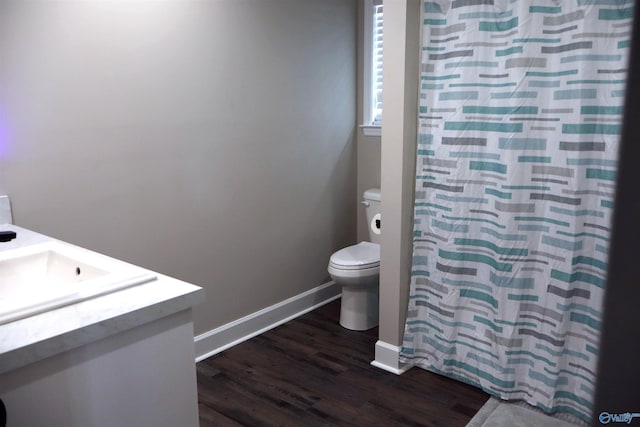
<point>357,269</point>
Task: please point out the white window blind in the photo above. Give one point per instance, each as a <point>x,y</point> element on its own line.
<point>376,77</point>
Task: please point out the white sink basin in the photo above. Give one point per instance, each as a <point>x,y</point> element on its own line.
<point>42,277</point>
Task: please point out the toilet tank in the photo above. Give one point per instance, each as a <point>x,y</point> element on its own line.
<point>372,205</point>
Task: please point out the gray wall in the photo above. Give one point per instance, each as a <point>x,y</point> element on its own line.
<point>402,25</point>
<point>369,151</point>
<point>213,141</point>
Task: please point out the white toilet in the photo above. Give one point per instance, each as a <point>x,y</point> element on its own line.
<point>357,269</point>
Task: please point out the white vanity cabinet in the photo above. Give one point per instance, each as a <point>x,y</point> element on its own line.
<point>123,359</point>
<point>141,377</point>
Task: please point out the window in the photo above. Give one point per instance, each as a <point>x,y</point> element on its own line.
<point>372,104</point>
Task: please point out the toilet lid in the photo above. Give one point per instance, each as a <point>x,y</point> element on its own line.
<point>362,255</point>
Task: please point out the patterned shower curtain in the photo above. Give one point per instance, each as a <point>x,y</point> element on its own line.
<point>520,115</point>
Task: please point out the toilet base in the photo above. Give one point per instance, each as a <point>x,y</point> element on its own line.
<point>359,307</point>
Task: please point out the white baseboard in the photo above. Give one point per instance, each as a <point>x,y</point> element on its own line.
<point>388,358</point>
<point>232,333</point>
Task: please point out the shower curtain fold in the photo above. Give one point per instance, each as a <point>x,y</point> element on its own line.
<point>520,115</point>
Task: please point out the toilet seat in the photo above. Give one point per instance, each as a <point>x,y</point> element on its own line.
<point>363,256</point>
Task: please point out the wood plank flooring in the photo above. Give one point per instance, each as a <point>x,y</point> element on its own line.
<point>313,372</point>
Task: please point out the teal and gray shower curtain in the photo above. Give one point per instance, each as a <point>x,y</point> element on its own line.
<point>520,114</point>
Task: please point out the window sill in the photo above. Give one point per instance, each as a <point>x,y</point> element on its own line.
<point>371,130</point>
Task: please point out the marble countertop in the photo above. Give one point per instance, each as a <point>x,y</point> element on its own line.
<point>37,337</point>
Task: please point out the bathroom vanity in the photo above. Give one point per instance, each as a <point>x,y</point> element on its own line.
<point>115,357</point>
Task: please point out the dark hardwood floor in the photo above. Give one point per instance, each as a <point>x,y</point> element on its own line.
<point>313,372</point>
